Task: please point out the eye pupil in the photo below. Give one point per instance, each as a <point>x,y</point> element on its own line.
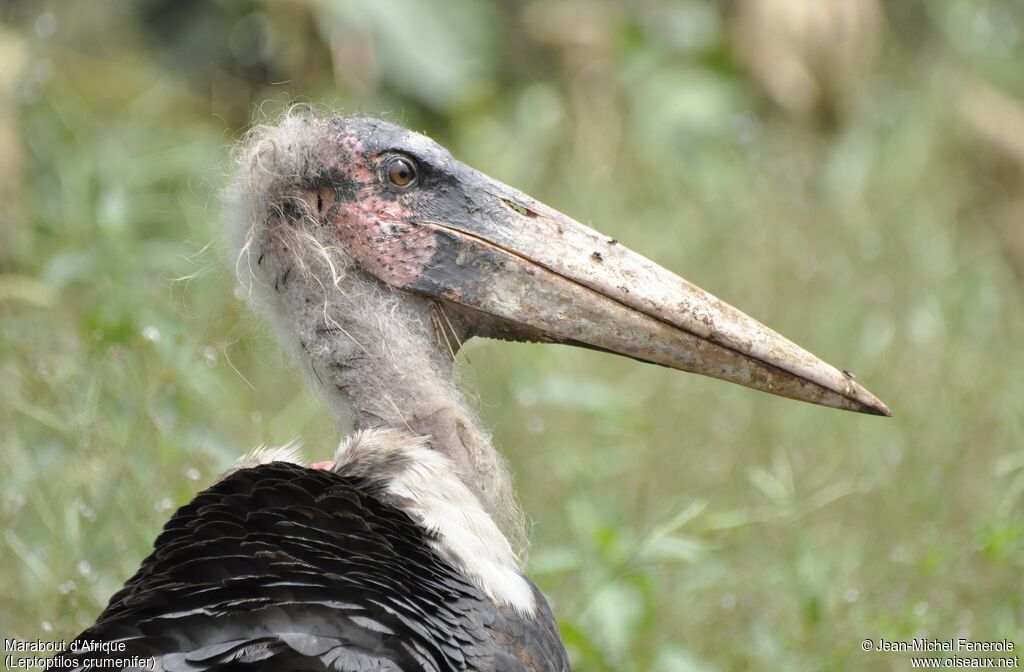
<point>401,172</point>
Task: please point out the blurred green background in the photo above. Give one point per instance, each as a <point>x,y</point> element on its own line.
<point>848,172</point>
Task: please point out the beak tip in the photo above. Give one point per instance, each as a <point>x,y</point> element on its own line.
<point>884,411</point>
<point>881,409</point>
<point>869,403</point>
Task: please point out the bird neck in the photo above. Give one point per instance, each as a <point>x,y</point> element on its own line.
<point>382,359</point>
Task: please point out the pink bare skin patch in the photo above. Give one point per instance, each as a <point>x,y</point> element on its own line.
<point>326,465</point>
<point>371,221</point>
<point>378,234</point>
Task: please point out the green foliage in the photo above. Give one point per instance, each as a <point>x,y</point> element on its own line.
<point>681,524</point>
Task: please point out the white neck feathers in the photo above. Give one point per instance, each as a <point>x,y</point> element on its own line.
<point>425,484</point>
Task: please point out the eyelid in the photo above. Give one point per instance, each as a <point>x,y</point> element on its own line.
<point>419,162</point>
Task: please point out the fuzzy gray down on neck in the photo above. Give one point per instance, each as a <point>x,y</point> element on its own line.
<point>373,352</point>
<point>376,357</point>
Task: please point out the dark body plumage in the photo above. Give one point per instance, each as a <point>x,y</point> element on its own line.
<point>279,567</point>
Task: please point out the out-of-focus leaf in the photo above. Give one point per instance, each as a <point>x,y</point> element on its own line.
<point>674,658</point>
<point>680,108</point>
<point>674,548</point>
<point>614,614</point>
<point>26,289</point>
<point>69,266</point>
<point>439,51</point>
<point>685,515</point>
<point>580,393</point>
<point>555,560</point>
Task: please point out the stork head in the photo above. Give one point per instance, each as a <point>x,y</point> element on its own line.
<point>399,209</point>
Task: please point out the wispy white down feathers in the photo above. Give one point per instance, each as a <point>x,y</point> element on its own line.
<point>263,454</point>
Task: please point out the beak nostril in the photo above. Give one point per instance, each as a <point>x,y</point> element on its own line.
<point>521,209</point>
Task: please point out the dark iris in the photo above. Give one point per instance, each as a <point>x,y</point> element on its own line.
<point>401,172</point>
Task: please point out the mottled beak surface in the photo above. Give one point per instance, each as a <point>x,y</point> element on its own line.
<point>529,272</point>
<point>517,259</point>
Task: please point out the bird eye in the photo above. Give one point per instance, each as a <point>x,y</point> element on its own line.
<point>401,172</point>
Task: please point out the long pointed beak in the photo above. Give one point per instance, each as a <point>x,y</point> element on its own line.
<point>503,253</point>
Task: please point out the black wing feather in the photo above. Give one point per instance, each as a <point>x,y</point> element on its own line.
<point>278,567</point>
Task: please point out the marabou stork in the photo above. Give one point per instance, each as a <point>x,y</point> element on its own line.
<point>375,255</point>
